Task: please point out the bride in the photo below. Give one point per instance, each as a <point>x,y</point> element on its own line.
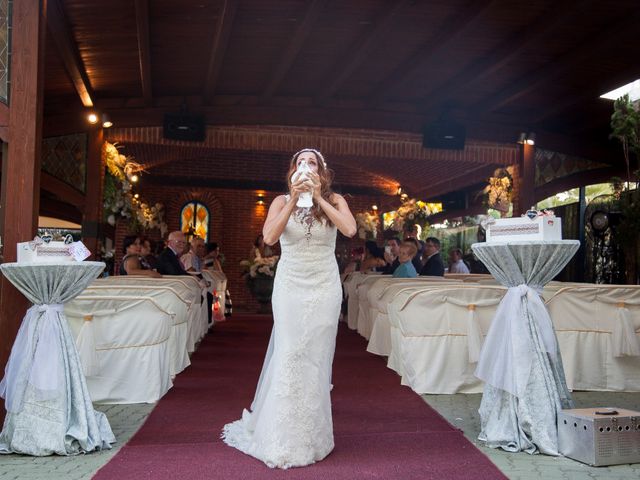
<point>289,423</point>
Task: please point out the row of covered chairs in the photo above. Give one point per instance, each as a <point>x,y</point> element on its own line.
<point>135,334</point>
<point>432,330</point>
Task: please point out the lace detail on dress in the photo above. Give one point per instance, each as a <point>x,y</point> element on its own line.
<point>305,218</point>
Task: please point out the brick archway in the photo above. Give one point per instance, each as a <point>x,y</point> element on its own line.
<point>207,198</point>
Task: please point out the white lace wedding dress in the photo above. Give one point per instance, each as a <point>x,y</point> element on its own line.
<point>289,423</point>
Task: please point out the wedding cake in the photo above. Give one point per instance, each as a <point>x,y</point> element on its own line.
<point>45,250</point>
<point>533,226</point>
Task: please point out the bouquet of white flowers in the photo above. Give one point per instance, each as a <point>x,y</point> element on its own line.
<point>368,224</point>
<point>260,266</point>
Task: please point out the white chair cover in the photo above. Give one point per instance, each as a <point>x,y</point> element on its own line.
<point>598,329</point>
<point>131,340</point>
<point>380,294</point>
<point>351,290</point>
<point>169,300</point>
<point>189,290</point>
<point>432,335</point>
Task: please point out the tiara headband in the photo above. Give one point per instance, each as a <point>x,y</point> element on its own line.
<point>311,150</point>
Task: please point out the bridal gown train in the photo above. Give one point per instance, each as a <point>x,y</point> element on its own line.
<point>289,423</point>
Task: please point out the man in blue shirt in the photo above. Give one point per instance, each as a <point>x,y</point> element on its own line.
<point>406,269</point>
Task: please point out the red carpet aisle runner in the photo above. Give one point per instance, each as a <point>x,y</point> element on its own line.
<point>382,430</point>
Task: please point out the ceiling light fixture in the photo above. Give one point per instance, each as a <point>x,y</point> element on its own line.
<point>106,121</point>
<point>92,118</point>
<point>526,138</point>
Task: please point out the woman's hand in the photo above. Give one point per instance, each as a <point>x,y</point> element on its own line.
<point>314,185</point>
<point>298,187</point>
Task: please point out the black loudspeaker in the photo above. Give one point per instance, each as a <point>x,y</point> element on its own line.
<point>185,127</point>
<point>448,135</point>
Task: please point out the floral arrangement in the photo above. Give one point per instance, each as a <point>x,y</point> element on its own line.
<point>260,266</point>
<point>368,224</point>
<point>411,212</point>
<point>119,200</point>
<point>498,191</point>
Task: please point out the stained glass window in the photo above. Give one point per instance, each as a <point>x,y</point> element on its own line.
<point>5,48</point>
<point>194,220</point>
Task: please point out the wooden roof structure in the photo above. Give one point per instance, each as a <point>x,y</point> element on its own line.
<point>497,67</point>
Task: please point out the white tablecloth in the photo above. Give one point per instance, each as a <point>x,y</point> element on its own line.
<point>520,361</point>
<point>49,410</point>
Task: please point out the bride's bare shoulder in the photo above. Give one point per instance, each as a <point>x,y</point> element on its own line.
<point>278,203</point>
<point>336,197</point>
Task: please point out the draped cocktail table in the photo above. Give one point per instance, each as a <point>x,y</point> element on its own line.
<point>520,361</point>
<point>49,410</point>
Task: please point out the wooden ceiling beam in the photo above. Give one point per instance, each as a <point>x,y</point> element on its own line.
<point>144,50</point>
<point>295,43</point>
<point>433,46</point>
<point>219,47</point>
<point>471,177</point>
<point>585,48</point>
<point>68,50</point>
<point>361,51</point>
<point>510,48</point>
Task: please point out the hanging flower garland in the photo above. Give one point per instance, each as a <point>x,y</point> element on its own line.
<point>497,193</point>
<point>412,212</point>
<point>119,201</point>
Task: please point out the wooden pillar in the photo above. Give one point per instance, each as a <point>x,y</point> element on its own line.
<point>21,157</point>
<point>526,190</point>
<point>92,214</point>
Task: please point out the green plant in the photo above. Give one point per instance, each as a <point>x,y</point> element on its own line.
<point>625,126</point>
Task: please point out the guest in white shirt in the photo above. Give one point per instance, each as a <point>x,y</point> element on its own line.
<point>456,264</point>
<point>193,261</point>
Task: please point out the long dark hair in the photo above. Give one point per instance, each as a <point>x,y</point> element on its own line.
<point>326,179</point>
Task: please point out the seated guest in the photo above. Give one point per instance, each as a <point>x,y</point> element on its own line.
<point>193,260</point>
<point>212,258</point>
<point>131,264</point>
<point>373,257</point>
<point>407,251</point>
<point>433,265</point>
<point>147,259</point>
<point>357,256</point>
<point>416,260</point>
<point>475,265</point>
<point>456,264</point>
<point>169,262</point>
<point>391,252</point>
<point>169,259</point>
